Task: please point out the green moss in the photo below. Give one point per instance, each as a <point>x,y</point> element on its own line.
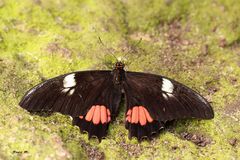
<point>196,43</point>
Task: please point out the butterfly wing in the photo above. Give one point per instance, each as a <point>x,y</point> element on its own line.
<point>90,97</point>
<point>152,100</point>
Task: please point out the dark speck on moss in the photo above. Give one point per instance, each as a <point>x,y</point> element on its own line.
<point>197,139</point>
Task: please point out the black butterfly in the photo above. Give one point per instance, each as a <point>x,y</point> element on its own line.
<point>92,98</point>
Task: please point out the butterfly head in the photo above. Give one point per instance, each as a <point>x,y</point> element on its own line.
<point>119,65</point>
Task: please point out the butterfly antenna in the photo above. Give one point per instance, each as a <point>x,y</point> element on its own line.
<point>139,41</point>
<point>109,51</point>
<point>134,45</point>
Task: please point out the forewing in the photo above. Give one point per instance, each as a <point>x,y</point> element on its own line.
<point>161,98</point>
<point>75,94</point>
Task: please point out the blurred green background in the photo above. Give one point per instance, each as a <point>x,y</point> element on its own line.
<point>194,42</point>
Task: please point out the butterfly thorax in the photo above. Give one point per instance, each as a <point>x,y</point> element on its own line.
<point>118,73</point>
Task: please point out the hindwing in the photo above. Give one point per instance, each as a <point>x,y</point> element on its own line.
<point>152,100</point>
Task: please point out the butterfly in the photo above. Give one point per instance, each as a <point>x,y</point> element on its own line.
<point>92,99</point>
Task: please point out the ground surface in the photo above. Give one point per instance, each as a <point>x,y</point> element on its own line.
<point>194,42</point>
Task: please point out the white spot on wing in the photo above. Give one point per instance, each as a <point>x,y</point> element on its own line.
<point>167,86</point>
<point>165,96</point>
<point>170,95</point>
<point>80,95</point>
<point>65,90</point>
<point>71,92</point>
<point>69,81</point>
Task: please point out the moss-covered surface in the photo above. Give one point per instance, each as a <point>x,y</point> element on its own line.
<point>194,42</point>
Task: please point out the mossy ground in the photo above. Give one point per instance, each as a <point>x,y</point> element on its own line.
<point>194,42</point>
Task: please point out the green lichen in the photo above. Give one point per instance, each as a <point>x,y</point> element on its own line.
<point>194,42</point>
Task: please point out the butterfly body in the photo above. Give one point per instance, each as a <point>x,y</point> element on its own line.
<point>93,98</point>
<point>118,73</point>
